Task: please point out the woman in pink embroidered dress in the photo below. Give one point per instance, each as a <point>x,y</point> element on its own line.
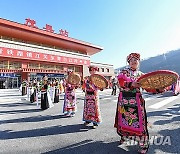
<point>91,112</point>
<point>70,102</point>
<point>131,119</point>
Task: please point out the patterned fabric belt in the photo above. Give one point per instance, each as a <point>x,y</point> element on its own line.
<point>128,94</point>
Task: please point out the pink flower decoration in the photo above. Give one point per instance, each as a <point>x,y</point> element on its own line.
<point>125,101</point>
<point>131,101</point>
<point>133,116</point>
<point>131,110</point>
<point>127,114</point>
<point>127,118</point>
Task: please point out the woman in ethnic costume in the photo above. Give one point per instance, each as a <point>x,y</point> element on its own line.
<point>46,101</point>
<point>44,97</point>
<point>70,106</point>
<point>91,112</point>
<point>131,119</point>
<point>56,92</point>
<point>32,93</point>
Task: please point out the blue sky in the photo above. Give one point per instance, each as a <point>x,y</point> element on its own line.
<point>150,27</point>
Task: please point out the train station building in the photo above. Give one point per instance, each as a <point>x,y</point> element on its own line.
<point>28,52</point>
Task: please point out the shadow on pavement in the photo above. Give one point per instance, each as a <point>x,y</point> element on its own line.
<point>16,104</point>
<point>91,147</point>
<point>54,130</point>
<point>175,110</point>
<point>33,119</point>
<point>166,94</point>
<point>168,139</point>
<point>19,111</point>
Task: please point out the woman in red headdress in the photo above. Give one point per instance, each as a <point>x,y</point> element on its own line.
<point>91,112</point>
<point>131,119</point>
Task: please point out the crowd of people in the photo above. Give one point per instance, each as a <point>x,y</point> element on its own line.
<point>130,119</point>
<point>49,92</point>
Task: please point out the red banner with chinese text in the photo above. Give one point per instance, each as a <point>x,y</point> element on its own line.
<point>29,55</point>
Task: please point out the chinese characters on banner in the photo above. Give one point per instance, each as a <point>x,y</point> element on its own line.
<point>48,28</point>
<point>22,54</point>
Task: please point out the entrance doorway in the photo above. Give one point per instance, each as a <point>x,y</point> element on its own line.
<point>9,83</point>
<point>13,82</point>
<point>10,80</point>
<point>2,84</point>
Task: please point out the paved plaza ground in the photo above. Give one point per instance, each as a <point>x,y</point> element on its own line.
<point>27,129</point>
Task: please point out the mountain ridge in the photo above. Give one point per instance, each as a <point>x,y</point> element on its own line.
<point>167,61</point>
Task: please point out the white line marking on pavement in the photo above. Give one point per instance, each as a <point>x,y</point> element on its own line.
<point>163,103</point>
<point>105,98</point>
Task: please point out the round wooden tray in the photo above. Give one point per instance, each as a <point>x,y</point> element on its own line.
<point>74,78</point>
<point>99,81</point>
<point>158,79</point>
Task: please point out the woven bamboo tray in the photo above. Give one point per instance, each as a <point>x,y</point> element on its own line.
<point>158,79</point>
<point>99,81</point>
<point>74,78</point>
